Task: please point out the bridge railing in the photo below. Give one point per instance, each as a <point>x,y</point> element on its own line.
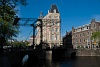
<point>8,49</point>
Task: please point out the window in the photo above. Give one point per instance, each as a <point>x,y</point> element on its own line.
<point>83,34</point>
<point>87,27</point>
<point>91,33</point>
<point>76,36</point>
<point>80,35</point>
<point>83,28</point>
<point>57,24</point>
<point>49,16</point>
<point>52,23</point>
<point>54,10</point>
<point>52,29</point>
<point>57,30</point>
<point>84,40</point>
<point>88,40</point>
<point>52,37</point>
<point>94,26</point>
<point>88,33</point>
<point>57,37</point>
<point>56,17</point>
<point>76,40</point>
<point>52,17</point>
<point>80,40</point>
<point>76,30</point>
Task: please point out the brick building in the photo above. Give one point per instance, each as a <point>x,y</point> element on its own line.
<point>81,36</point>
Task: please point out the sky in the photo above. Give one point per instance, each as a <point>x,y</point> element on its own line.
<point>72,13</point>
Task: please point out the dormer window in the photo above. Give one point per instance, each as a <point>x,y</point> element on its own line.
<point>87,27</point>
<point>54,10</point>
<point>81,28</point>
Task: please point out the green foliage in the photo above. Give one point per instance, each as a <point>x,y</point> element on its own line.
<point>95,35</point>
<point>78,47</point>
<point>99,44</point>
<point>19,43</point>
<point>7,13</point>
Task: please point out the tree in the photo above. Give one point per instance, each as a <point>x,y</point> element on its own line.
<point>7,14</point>
<point>96,37</point>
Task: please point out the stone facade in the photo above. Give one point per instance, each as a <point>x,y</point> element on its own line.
<point>51,27</point>
<point>81,36</point>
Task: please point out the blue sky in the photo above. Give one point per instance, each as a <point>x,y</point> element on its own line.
<point>73,13</point>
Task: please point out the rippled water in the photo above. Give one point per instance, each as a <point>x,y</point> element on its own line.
<point>78,62</point>
<point>85,61</point>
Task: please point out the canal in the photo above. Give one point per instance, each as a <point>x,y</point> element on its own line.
<point>77,62</point>
<point>82,61</point>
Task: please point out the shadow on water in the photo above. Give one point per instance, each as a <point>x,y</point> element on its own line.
<point>86,61</point>
<point>59,60</point>
<point>60,54</point>
<point>29,60</point>
<point>73,55</point>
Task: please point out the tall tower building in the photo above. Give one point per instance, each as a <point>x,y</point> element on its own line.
<point>51,27</point>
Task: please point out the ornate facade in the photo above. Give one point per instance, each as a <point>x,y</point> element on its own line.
<point>50,27</point>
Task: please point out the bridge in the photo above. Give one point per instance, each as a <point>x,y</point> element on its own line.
<point>15,56</point>
<point>36,56</point>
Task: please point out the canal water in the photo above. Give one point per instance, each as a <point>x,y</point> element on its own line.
<point>83,61</point>
<point>76,62</point>
<point>80,61</point>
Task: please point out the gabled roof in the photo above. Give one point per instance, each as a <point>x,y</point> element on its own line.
<point>53,6</point>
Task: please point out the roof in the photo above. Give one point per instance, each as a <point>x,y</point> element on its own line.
<point>53,7</point>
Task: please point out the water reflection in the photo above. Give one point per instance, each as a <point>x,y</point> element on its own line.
<point>78,62</point>
<point>69,62</point>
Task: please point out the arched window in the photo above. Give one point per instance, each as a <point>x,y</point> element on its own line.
<point>52,29</point>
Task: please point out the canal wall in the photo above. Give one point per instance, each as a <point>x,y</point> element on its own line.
<point>87,52</point>
<point>82,52</point>
<point>70,53</point>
